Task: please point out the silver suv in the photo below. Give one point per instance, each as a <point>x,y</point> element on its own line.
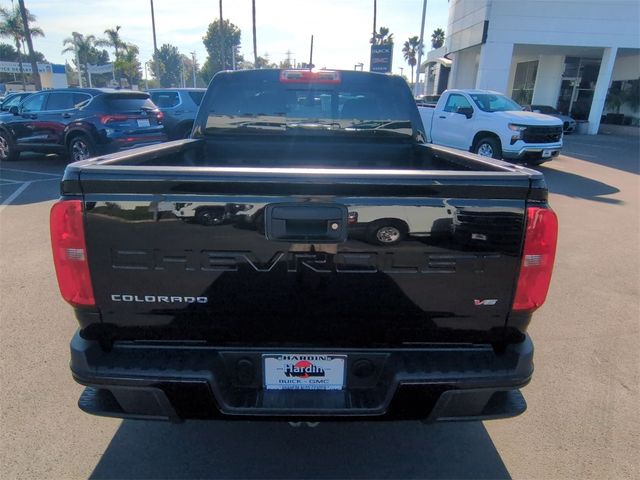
<point>180,106</point>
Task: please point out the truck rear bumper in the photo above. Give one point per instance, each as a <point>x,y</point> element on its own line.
<point>175,382</point>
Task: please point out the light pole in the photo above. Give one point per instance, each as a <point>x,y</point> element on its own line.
<point>155,45</point>
<point>193,59</point>
<point>424,11</point>
<point>146,78</point>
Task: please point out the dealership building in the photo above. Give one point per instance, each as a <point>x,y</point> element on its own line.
<point>51,75</point>
<point>569,54</point>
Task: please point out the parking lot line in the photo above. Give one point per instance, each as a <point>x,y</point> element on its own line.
<point>57,175</point>
<point>14,195</point>
<point>7,181</point>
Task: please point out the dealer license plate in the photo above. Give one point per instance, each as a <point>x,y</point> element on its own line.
<point>303,371</point>
<point>144,123</point>
<point>546,153</point>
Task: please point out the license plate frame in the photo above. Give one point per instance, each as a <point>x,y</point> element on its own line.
<point>144,122</point>
<point>304,371</point>
<point>547,153</point>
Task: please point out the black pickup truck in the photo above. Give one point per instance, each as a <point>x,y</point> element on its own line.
<point>305,255</point>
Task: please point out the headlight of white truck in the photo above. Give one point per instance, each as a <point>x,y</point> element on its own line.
<point>518,129</point>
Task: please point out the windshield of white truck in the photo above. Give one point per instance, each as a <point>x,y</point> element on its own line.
<point>277,102</point>
<point>493,102</point>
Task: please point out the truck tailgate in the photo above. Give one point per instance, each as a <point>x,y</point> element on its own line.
<point>299,257</point>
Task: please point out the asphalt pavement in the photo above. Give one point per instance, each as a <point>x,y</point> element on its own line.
<point>582,420</point>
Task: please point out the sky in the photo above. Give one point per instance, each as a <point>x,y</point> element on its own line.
<point>341,28</point>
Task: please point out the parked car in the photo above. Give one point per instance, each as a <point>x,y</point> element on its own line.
<point>492,125</point>
<point>179,106</point>
<point>427,100</point>
<point>82,122</point>
<point>13,99</point>
<point>293,318</point>
<point>568,123</point>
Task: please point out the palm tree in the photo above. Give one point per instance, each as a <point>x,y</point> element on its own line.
<point>112,40</point>
<point>437,38</point>
<point>29,33</point>
<point>411,48</point>
<point>81,46</point>
<point>11,26</point>
<point>382,38</point>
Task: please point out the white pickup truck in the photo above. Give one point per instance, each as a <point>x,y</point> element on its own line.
<point>491,124</point>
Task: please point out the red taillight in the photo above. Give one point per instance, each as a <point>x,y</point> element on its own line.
<point>159,117</point>
<point>537,259</point>
<point>70,253</point>
<point>309,76</point>
<point>104,119</point>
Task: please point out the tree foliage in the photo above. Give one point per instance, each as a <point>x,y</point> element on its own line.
<point>87,53</point>
<point>437,38</point>
<point>7,52</point>
<point>11,26</point>
<point>383,37</point>
<point>220,41</point>
<point>167,65</point>
<point>128,65</point>
<point>265,62</point>
<point>112,40</point>
<point>206,71</point>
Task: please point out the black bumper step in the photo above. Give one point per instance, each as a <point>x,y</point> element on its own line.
<point>181,381</point>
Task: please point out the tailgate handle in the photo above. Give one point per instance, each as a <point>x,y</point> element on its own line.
<point>306,223</point>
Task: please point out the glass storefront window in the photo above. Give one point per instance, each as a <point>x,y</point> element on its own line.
<point>577,87</point>
<point>524,81</point>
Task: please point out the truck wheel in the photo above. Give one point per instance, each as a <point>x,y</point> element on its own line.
<point>488,147</point>
<point>8,151</point>
<point>184,131</point>
<point>210,216</point>
<point>80,148</point>
<point>386,233</point>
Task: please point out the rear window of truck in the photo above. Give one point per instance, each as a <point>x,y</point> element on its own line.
<point>353,104</point>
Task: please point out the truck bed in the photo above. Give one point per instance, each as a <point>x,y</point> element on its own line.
<point>305,152</point>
